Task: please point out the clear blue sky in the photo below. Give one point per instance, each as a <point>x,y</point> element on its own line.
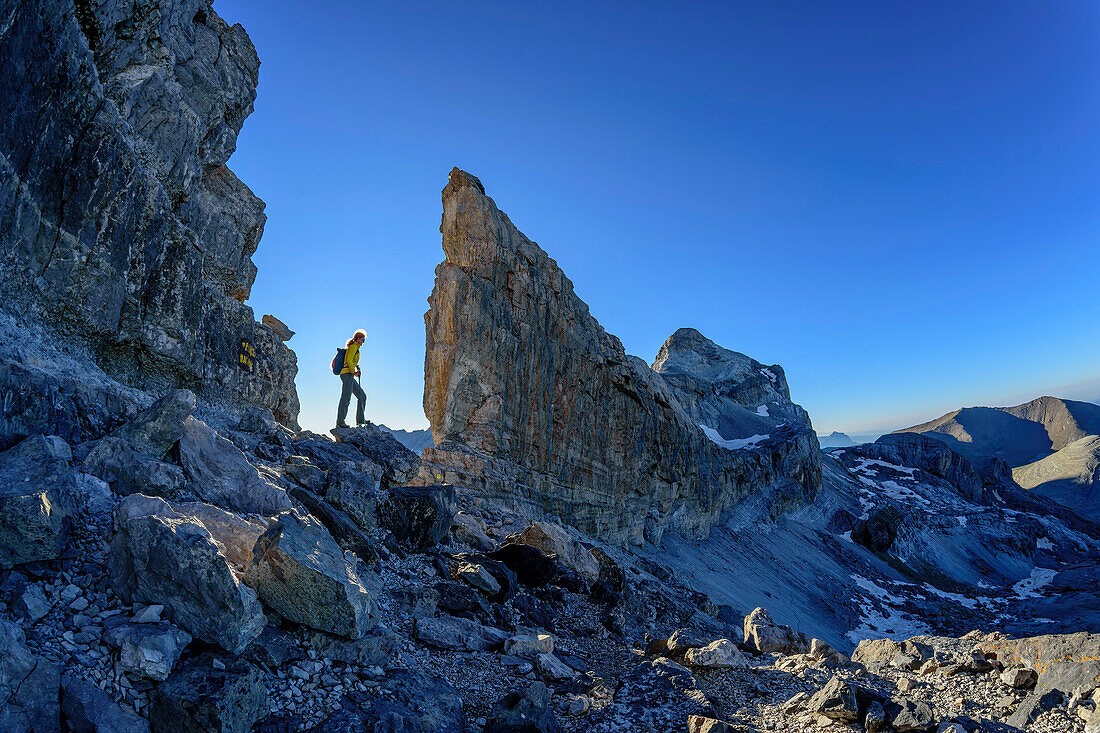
<point>898,202</point>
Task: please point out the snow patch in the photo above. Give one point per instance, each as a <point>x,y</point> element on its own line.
<point>879,618</point>
<point>1039,577</point>
<point>770,375</point>
<point>1044,543</point>
<point>736,443</point>
<point>762,411</point>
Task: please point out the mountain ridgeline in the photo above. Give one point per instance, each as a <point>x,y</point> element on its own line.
<point>530,400</point>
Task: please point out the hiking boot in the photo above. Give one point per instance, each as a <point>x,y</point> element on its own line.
<point>361,424</point>
<point>342,425</point>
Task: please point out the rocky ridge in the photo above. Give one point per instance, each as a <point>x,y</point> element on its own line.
<point>125,233</point>
<point>596,437</point>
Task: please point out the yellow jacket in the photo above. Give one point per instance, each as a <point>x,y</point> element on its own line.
<point>351,359</point>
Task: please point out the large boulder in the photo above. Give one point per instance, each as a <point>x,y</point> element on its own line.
<point>129,472</point>
<point>159,555</point>
<point>836,700</point>
<point>354,488</point>
<point>154,430</point>
<point>765,635</point>
<point>302,574</point>
<point>211,692</point>
<point>218,473</point>
<point>146,649</point>
<point>29,686</point>
<point>419,516</point>
<point>38,497</point>
<point>399,464</point>
<point>342,527</point>
<point>595,436</point>
<point>553,540</point>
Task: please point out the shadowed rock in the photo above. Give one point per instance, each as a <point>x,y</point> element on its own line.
<point>37,500</point>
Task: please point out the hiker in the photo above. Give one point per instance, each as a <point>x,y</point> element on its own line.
<point>348,374</point>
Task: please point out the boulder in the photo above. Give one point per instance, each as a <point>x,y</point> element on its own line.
<point>218,473</point>
<point>418,516</point>
<point>399,464</point>
<point>702,724</point>
<point>342,528</point>
<point>907,715</point>
<point>459,634</point>
<point>553,669</point>
<point>129,471</point>
<point>29,686</point>
<point>407,701</point>
<point>523,712</point>
<point>553,540</point>
<point>302,574</point>
<point>300,470</point>
<point>159,555</point>
<point>877,653</point>
<point>354,489</point>
<point>378,647</point>
<point>154,430</point>
<point>210,692</point>
<point>720,654</point>
<point>765,635</point>
<point>258,420</point>
<point>146,649</point>
<point>468,530</point>
<point>38,497</point>
<point>529,645</point>
<point>683,640</point>
<point>1019,677</point>
<point>478,577</point>
<point>88,709</point>
<point>278,327</point>
<point>532,566</point>
<point>836,701</point>
<point>31,604</point>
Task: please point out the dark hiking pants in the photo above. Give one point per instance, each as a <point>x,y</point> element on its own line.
<point>350,387</point>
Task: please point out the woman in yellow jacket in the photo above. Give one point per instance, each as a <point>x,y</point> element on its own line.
<point>349,385</point>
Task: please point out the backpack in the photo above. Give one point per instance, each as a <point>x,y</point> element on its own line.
<point>338,361</point>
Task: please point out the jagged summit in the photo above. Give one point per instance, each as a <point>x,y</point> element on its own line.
<point>530,398</point>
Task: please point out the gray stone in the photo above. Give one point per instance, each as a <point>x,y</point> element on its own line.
<point>154,430</point>
<point>910,715</point>
<point>95,495</point>
<point>529,645</point>
<point>29,686</point>
<point>765,635</point>
<point>1020,677</point>
<point>376,648</point>
<point>89,709</point>
<point>874,720</point>
<point>305,474</point>
<point>720,654</point>
<point>200,696</point>
<point>159,555</point>
<point>302,574</point>
<point>354,488</point>
<point>399,464</point>
<point>523,712</point>
<point>38,497</point>
<point>468,530</point>
<point>836,701</point>
<point>31,603</point>
<point>218,473</point>
<point>553,540</point>
<point>702,724</point>
<point>684,639</point>
<point>147,649</point>
<point>459,634</point>
<point>418,516</point>
<point>553,669</point>
<point>342,528</point>
<point>128,471</point>
<point>278,327</point>
<point>478,577</point>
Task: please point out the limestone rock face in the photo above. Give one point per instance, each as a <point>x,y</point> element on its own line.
<point>121,225</point>
<point>530,399</point>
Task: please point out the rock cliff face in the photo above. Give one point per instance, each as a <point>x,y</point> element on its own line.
<point>122,227</point>
<point>530,399</point>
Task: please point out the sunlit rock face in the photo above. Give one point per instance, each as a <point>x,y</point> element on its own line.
<point>121,225</point>
<point>530,399</point>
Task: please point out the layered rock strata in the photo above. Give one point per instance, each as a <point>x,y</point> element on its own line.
<point>122,228</point>
<point>529,398</point>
